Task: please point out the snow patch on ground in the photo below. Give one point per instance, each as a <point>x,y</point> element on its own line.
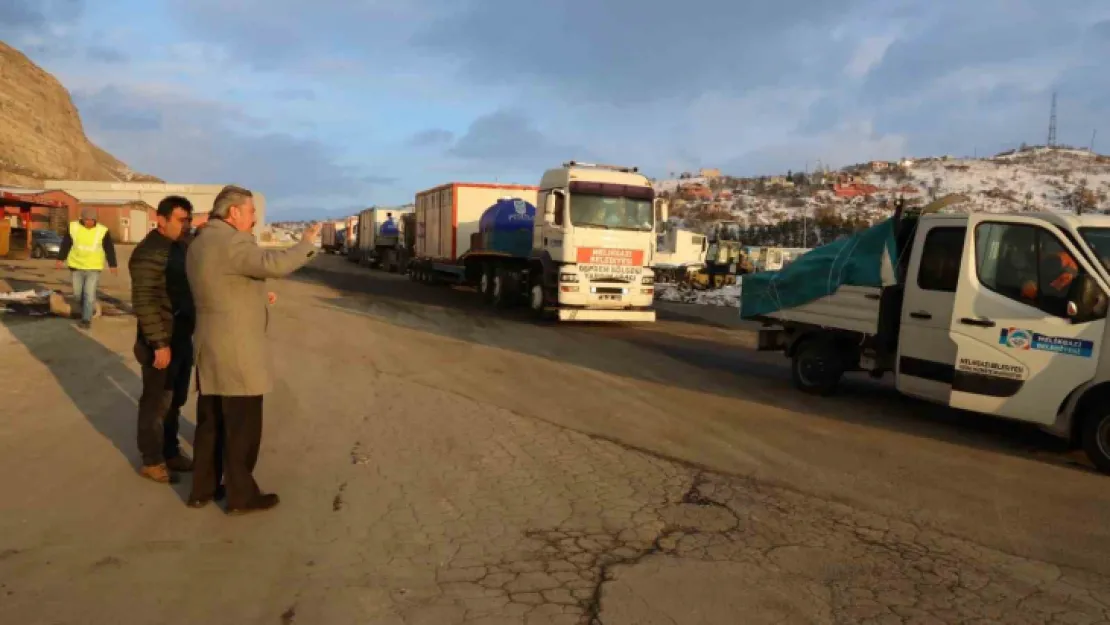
<point>725,296</point>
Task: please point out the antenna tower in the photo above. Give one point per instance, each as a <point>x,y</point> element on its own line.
<point>1052,123</point>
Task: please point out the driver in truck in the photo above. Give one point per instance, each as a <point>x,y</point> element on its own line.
<point>1062,268</point>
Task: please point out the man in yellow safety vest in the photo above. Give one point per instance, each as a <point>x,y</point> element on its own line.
<point>85,248</point>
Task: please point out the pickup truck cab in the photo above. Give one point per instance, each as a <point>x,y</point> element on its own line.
<point>1002,314</point>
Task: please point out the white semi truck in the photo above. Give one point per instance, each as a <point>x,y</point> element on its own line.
<point>578,247</point>
<point>998,314</point>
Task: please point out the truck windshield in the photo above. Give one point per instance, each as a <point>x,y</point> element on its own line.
<point>617,213</point>
<point>1098,239</point>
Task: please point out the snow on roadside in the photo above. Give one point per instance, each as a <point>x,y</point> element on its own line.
<point>724,296</point>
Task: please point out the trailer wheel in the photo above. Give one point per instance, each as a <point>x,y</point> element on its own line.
<point>817,367</point>
<point>1095,437</point>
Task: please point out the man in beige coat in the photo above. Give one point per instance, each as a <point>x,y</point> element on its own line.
<point>227,273</point>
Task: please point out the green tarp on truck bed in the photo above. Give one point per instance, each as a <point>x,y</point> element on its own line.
<point>866,258</point>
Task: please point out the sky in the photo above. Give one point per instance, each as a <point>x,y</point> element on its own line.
<point>328,106</point>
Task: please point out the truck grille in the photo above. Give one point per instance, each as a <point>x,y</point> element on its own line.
<point>609,290</point>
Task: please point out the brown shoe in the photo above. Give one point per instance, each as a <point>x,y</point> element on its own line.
<point>181,464</point>
<point>260,503</point>
<point>158,472</point>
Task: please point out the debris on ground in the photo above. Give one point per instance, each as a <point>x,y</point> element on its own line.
<point>725,296</point>
<point>28,302</point>
<point>66,307</point>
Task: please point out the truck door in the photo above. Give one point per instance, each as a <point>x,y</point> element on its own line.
<point>1026,331</point>
<point>926,354</point>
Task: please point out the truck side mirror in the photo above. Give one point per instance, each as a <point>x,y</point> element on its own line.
<point>660,212</point>
<point>1086,300</point>
<point>549,208</point>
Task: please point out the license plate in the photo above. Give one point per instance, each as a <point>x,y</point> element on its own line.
<point>609,297</point>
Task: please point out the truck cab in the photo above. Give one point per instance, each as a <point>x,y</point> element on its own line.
<point>595,242</point>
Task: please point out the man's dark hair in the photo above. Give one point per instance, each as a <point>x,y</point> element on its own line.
<point>170,203</point>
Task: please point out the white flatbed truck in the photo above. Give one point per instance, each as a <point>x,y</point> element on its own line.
<point>982,318</point>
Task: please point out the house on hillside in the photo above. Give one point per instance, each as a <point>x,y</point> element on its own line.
<point>710,174</point>
<point>878,166</point>
<point>696,191</point>
<point>854,189</point>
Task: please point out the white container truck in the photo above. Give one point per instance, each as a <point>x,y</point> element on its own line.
<point>378,249</point>
<point>330,239</point>
<point>998,314</point>
<point>592,242</point>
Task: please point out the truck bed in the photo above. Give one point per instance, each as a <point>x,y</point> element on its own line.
<point>852,308</point>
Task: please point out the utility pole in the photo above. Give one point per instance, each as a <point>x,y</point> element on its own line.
<point>1052,123</point>
<point>1093,133</point>
<point>805,210</point>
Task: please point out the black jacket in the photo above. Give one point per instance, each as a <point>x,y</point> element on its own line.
<point>160,292</point>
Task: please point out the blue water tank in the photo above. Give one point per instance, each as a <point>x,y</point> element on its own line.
<point>389,228</point>
<point>506,227</point>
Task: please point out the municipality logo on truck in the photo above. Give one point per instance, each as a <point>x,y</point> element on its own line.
<point>1020,338</point>
<point>600,262</point>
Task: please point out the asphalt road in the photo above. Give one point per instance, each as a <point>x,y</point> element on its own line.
<point>443,463</point>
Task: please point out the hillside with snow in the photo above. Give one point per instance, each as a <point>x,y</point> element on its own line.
<point>1055,179</point>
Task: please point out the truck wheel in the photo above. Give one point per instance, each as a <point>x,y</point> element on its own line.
<point>817,367</point>
<point>502,295</point>
<point>1095,437</point>
<point>536,301</point>
<point>485,284</point>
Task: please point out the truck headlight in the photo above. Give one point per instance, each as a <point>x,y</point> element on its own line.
<point>647,280</point>
<point>568,277</point>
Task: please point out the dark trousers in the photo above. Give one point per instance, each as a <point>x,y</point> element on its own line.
<point>164,393</point>
<point>229,434</point>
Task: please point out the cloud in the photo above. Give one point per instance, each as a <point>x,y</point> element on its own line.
<point>106,54</point>
<point>430,138</point>
<point>295,93</point>
<point>336,99</point>
<point>311,35</point>
<point>207,142</point>
<point>40,26</point>
<point>869,54</point>
<point>636,51</point>
<point>113,110</point>
<point>508,137</point>
<point>15,14</point>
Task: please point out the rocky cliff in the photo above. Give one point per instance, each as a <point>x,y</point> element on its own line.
<point>41,136</point>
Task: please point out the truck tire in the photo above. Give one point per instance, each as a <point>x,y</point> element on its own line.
<point>502,289</point>
<point>485,283</point>
<point>817,367</point>
<point>536,302</point>
<point>1094,435</point>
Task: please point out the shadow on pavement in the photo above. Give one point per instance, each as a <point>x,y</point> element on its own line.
<point>726,369</point>
<point>98,381</point>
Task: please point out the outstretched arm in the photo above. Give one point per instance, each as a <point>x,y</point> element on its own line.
<point>248,259</point>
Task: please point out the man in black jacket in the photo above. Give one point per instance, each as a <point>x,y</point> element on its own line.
<point>164,343</point>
